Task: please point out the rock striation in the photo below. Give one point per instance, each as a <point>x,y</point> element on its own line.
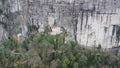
<point>89,22</point>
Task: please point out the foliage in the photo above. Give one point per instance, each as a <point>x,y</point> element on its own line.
<point>54,53</point>
<point>10,54</point>
<point>99,46</point>
<point>49,48</point>
<point>16,25</point>
<point>1,12</point>
<point>73,44</point>
<point>25,45</point>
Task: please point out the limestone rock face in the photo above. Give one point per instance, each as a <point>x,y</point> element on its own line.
<point>89,22</point>
<point>3,34</point>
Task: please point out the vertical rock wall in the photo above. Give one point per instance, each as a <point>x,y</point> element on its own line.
<point>89,22</point>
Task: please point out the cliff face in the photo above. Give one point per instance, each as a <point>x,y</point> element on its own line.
<point>89,22</point>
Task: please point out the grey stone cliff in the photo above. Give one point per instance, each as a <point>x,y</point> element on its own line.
<point>89,22</point>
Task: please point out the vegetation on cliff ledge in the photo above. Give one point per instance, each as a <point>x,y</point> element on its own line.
<point>48,51</point>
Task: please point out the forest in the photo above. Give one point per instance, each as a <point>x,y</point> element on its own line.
<point>34,49</point>
<point>41,50</point>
